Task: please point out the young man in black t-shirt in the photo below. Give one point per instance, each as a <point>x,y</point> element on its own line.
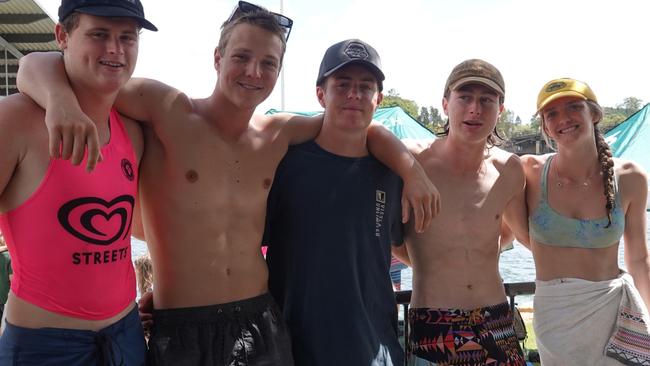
<point>333,213</point>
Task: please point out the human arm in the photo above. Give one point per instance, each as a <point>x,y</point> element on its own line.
<point>636,252</point>
<point>506,238</point>
<point>515,214</point>
<point>43,78</point>
<point>145,311</point>
<point>418,194</point>
<point>401,252</point>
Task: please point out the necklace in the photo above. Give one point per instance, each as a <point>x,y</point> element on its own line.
<point>584,184</point>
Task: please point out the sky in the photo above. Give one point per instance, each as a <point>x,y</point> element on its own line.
<point>604,43</point>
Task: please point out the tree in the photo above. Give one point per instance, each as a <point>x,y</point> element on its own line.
<point>424,117</point>
<point>505,124</point>
<point>630,105</point>
<point>437,122</point>
<point>392,99</point>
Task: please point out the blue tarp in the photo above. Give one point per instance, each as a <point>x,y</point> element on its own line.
<point>394,118</point>
<point>630,140</point>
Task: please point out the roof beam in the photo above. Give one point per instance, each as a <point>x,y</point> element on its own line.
<point>21,18</point>
<point>28,37</point>
<point>9,47</point>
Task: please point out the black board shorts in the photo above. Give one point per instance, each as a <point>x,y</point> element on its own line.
<point>241,333</point>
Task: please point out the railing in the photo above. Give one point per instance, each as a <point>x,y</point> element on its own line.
<point>512,290</point>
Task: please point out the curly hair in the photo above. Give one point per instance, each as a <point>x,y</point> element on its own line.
<point>144,273</point>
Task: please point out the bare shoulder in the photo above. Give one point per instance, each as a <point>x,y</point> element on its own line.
<point>20,114</point>
<point>504,159</point>
<point>151,100</point>
<point>631,176</point>
<point>283,118</point>
<point>418,146</point>
<point>533,163</point>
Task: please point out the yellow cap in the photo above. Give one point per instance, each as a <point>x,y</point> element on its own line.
<point>565,87</point>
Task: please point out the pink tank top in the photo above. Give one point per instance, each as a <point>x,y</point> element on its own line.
<point>70,242</point>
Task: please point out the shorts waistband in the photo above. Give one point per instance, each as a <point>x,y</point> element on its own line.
<point>467,312</point>
<point>210,313</point>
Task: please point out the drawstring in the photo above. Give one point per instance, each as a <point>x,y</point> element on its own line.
<point>241,332</point>
<point>106,354</point>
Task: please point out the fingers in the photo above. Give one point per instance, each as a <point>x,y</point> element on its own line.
<point>55,144</point>
<point>406,209</point>
<point>94,154</point>
<point>428,212</point>
<point>78,149</point>
<point>418,214</point>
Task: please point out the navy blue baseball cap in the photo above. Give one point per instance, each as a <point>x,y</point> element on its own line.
<point>106,8</point>
<point>351,51</point>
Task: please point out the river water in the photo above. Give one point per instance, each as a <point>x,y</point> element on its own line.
<point>516,265</point>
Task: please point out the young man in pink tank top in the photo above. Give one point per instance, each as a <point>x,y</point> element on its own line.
<point>72,298</point>
<point>204,181</point>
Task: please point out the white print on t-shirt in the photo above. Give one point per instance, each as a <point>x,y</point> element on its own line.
<point>380,207</point>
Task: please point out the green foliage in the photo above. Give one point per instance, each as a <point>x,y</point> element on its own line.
<point>392,99</point>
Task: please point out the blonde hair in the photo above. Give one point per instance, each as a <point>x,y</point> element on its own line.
<point>144,273</point>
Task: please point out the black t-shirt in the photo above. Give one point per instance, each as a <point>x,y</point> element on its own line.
<point>330,223</point>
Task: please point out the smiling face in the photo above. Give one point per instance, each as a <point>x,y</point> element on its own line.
<point>568,119</point>
<point>249,66</point>
<point>100,53</point>
<point>473,112</point>
<point>350,97</point>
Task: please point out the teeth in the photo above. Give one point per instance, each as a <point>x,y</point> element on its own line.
<point>112,64</point>
<point>249,87</point>
<point>569,129</point>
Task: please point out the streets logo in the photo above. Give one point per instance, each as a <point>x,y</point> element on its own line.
<point>96,221</point>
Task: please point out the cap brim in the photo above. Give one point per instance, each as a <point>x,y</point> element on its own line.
<point>113,11</point>
<point>478,80</point>
<point>375,70</point>
<point>556,96</point>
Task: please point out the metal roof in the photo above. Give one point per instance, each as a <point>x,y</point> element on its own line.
<point>24,27</point>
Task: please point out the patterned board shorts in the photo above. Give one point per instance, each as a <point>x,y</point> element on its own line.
<point>483,336</point>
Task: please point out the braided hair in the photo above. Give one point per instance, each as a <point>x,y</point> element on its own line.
<point>606,163</point>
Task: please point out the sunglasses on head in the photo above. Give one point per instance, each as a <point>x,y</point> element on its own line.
<point>244,7</point>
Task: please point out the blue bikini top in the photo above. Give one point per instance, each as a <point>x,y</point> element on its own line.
<point>548,227</point>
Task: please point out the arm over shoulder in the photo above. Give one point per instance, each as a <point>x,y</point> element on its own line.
<point>149,101</point>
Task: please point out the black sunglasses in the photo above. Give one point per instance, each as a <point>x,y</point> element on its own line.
<point>244,7</point>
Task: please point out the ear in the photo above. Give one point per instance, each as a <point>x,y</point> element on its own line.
<point>61,36</point>
<point>380,97</point>
<point>320,94</point>
<point>501,108</point>
<point>217,59</point>
<point>445,103</point>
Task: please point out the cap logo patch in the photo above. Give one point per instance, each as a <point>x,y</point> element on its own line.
<point>356,50</point>
<point>555,86</point>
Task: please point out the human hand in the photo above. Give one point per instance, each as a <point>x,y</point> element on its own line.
<point>422,196</point>
<point>70,132</point>
<point>145,310</point>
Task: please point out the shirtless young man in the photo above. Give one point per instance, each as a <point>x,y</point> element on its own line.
<point>69,231</point>
<point>457,288</point>
<point>205,176</point>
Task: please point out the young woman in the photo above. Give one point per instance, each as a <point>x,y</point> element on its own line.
<point>581,201</point>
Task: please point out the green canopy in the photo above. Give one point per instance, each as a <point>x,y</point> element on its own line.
<point>394,118</point>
